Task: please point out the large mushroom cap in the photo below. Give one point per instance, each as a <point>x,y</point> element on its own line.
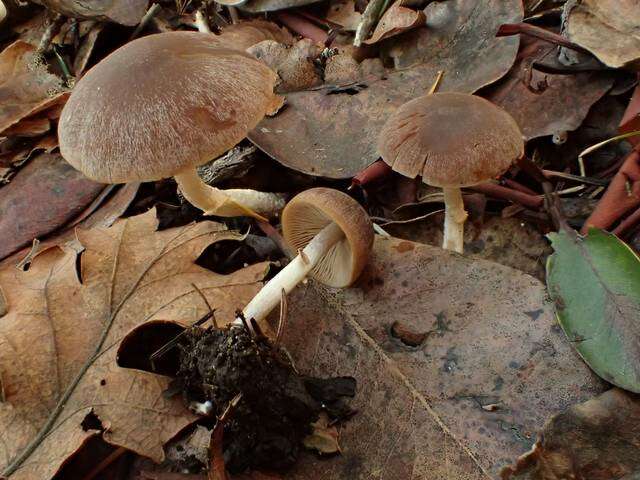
<point>163,103</point>
<point>312,210</point>
<point>451,140</point>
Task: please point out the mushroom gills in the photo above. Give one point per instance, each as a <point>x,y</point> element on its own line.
<point>296,271</point>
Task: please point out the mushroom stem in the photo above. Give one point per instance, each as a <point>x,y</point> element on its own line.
<point>454,218</point>
<point>233,202</point>
<point>269,297</point>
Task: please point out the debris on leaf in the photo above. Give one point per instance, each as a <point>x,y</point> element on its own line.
<point>324,437</point>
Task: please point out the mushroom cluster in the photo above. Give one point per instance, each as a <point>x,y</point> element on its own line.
<point>164,104</point>
<point>451,140</point>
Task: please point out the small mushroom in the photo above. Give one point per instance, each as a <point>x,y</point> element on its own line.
<point>452,140</point>
<point>164,104</point>
<point>333,235</point>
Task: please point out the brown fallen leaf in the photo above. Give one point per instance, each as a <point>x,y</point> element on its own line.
<point>607,28</point>
<point>332,131</point>
<point>559,105</point>
<point>595,440</point>
<point>344,14</point>
<point>85,50</point>
<point>495,342</point>
<point>33,126</point>
<point>398,19</point>
<point>242,35</point>
<point>28,88</point>
<point>43,196</point>
<point>79,307</point>
<point>125,12</point>
<point>324,438</point>
<point>259,6</point>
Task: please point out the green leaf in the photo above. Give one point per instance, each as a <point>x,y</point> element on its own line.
<point>594,282</point>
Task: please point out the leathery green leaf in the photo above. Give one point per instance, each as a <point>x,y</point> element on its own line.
<point>594,282</point>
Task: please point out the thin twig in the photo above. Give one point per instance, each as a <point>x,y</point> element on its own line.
<point>112,457</point>
<point>144,21</point>
<point>436,83</point>
<point>51,31</point>
<point>595,147</point>
<point>212,310</point>
<point>369,18</point>
<point>386,221</point>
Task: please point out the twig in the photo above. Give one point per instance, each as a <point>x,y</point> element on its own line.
<point>51,31</point>
<point>153,10</point>
<point>627,223</point>
<point>498,191</point>
<point>112,457</point>
<point>387,221</point>
<point>302,26</point>
<point>217,469</point>
<point>509,29</point>
<point>436,83</point>
<point>576,178</point>
<point>369,18</point>
<point>599,145</point>
<point>233,14</point>
<point>212,310</point>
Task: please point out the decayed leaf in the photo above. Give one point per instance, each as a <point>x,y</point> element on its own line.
<point>344,14</point>
<point>559,104</point>
<point>125,12</point>
<point>258,6</point>
<point>396,20</point>
<point>324,438</point>
<point>493,341</point>
<point>600,312</point>
<point>44,195</point>
<point>608,29</point>
<point>27,86</point>
<point>332,131</point>
<point>130,274</point>
<point>595,440</point>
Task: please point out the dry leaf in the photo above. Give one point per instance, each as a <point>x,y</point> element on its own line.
<point>559,104</point>
<point>324,438</point>
<point>128,274</point>
<point>27,86</point>
<point>258,6</point>
<point>245,34</point>
<point>125,12</point>
<point>344,14</point>
<point>607,28</point>
<point>45,194</point>
<point>332,131</point>
<point>494,341</point>
<point>396,20</point>
<point>81,59</point>
<point>595,440</point>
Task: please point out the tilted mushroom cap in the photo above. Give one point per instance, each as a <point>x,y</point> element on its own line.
<point>312,210</point>
<point>163,103</point>
<point>450,139</point>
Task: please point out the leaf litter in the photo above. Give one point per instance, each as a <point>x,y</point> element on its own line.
<point>458,362</point>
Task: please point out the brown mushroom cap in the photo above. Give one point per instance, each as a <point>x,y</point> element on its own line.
<point>163,103</point>
<point>312,210</point>
<point>450,139</point>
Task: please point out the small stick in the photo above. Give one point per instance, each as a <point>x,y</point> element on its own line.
<point>509,29</point>
<point>388,221</point>
<point>233,14</point>
<point>283,318</point>
<point>516,196</point>
<point>436,83</point>
<point>171,343</point>
<point>212,310</point>
<point>595,147</point>
<point>369,18</point>
<point>518,186</point>
<point>144,21</point>
<point>112,457</point>
<point>627,223</point>
<point>51,31</point>
<point>302,26</point>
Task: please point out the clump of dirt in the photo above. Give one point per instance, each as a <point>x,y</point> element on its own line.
<point>276,410</point>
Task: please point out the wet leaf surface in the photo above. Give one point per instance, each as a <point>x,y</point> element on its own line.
<point>597,439</point>
<point>493,342</point>
<point>599,314</point>
<point>127,274</point>
<point>333,133</point>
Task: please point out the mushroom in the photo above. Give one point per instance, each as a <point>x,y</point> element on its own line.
<point>333,235</point>
<point>452,140</point>
<point>164,104</point>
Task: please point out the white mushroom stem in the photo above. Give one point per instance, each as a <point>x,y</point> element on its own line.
<point>226,203</point>
<point>454,218</point>
<point>291,275</point>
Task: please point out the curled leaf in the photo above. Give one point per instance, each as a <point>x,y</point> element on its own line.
<point>396,20</point>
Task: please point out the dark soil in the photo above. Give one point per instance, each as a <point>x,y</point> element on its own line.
<point>277,406</point>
